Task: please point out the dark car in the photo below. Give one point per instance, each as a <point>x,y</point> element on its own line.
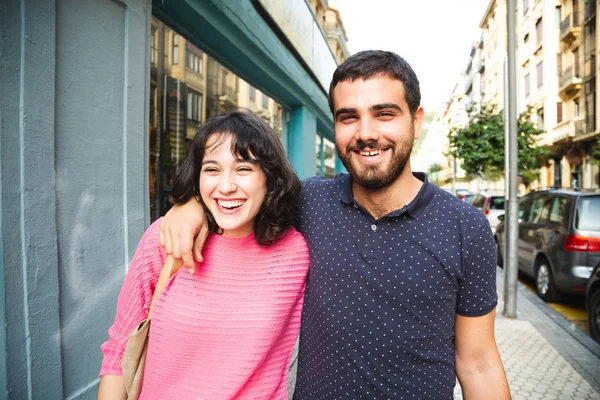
<point>592,302</point>
<point>559,240</point>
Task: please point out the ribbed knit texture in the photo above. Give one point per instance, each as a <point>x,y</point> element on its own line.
<point>225,332</point>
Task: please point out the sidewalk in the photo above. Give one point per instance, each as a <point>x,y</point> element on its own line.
<point>544,355</point>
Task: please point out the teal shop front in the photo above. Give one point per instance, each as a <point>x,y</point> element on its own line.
<point>98,100</point>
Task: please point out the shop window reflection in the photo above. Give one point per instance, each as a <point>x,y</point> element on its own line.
<point>183,95</point>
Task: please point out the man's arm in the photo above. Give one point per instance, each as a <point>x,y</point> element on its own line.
<point>478,365</point>
<point>183,231</point>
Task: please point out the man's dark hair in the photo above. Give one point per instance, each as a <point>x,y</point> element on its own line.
<point>252,139</point>
<point>369,63</point>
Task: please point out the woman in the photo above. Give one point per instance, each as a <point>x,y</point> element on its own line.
<point>226,330</point>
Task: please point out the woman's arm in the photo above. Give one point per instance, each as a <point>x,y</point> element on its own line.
<point>184,230</point>
<point>111,388</point>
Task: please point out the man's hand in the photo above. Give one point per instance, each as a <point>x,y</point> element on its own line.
<point>183,231</point>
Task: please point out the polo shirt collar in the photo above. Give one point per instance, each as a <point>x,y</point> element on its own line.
<point>414,208</point>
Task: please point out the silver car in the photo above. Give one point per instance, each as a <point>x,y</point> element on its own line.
<point>559,240</point>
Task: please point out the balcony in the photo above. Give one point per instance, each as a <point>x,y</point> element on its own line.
<point>570,31</point>
<point>569,84</point>
<point>228,97</point>
<point>580,128</point>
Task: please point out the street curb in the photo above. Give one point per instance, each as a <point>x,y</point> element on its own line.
<point>586,341</point>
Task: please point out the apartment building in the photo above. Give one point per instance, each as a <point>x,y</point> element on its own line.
<point>556,77</point>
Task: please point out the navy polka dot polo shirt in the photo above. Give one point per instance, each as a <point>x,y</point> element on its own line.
<point>382,295</point>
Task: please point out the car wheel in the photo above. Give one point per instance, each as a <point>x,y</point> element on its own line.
<point>499,258</point>
<point>594,316</point>
<point>544,282</point>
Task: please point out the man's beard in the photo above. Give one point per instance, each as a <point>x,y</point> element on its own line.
<point>377,177</point>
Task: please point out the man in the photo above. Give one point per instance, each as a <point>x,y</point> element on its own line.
<point>401,294</point>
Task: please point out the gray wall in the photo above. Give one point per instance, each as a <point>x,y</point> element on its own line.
<point>74,193</point>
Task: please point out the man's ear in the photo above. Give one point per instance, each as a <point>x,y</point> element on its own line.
<point>418,122</point>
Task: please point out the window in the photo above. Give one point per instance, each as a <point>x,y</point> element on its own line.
<point>557,212</point>
<point>575,13</point>
<point>538,31</point>
<point>559,65</point>
<point>527,86</point>
<point>590,108</point>
<point>576,107</point>
<point>540,75</point>
<point>557,14</point>
<point>576,63</point>
<point>588,213</point>
<point>193,61</point>
<point>252,93</point>
<point>559,112</point>
<point>540,119</point>
<point>154,46</point>
<point>265,101</point>
<point>540,210</point>
<point>175,48</point>
<point>194,106</point>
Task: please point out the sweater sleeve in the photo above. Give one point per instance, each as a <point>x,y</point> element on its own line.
<point>134,299</point>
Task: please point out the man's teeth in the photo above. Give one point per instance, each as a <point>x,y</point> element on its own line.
<point>230,204</point>
<point>370,153</point>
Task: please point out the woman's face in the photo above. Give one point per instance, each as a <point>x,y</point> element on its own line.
<point>232,189</point>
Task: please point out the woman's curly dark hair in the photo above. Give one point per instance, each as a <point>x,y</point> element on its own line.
<point>252,139</point>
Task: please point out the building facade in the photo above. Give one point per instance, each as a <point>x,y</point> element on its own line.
<point>556,67</point>
<point>99,101</point>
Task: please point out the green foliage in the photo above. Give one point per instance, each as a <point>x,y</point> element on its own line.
<point>433,168</point>
<point>596,152</point>
<point>433,172</point>
<point>480,145</point>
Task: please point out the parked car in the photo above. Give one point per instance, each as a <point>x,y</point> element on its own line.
<point>559,240</point>
<point>465,196</point>
<point>491,204</point>
<point>592,302</point>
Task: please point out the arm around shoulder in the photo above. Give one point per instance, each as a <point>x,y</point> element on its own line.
<point>479,368</point>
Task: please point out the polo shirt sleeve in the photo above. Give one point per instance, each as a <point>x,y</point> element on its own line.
<point>477,293</point>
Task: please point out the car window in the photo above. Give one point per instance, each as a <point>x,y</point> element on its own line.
<point>540,210</point>
<point>588,213</point>
<point>524,209</point>
<point>478,201</point>
<point>497,203</point>
<point>557,210</point>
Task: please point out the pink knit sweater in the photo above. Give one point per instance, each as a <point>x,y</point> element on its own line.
<point>225,332</point>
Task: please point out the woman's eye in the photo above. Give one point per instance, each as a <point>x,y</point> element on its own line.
<point>209,170</point>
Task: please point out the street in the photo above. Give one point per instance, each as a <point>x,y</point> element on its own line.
<point>571,307</point>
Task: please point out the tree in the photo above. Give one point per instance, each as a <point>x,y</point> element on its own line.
<point>596,152</point>
<point>480,145</point>
<point>433,171</point>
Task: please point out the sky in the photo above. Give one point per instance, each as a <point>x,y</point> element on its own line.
<point>434,36</point>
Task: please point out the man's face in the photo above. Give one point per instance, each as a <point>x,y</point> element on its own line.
<point>374,131</point>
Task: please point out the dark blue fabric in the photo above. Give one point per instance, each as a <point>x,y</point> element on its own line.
<point>382,295</point>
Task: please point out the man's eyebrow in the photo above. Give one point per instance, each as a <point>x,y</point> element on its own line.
<point>384,106</point>
<point>344,111</point>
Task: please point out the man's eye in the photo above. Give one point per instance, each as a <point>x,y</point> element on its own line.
<point>347,117</point>
<point>385,114</point>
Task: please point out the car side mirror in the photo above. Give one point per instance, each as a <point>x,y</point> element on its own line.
<point>501,217</point>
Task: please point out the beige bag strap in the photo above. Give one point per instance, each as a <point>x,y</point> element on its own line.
<point>169,268</point>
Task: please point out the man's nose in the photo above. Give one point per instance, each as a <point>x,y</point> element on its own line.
<point>366,131</point>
